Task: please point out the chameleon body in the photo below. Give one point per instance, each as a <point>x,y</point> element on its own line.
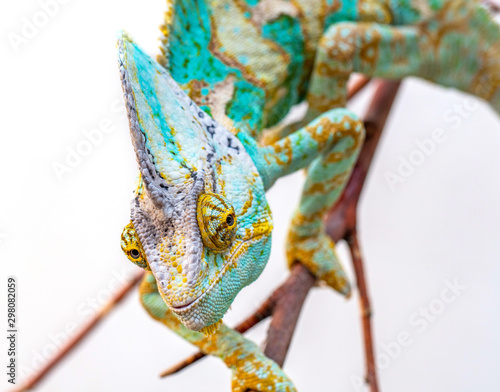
<point>205,126</point>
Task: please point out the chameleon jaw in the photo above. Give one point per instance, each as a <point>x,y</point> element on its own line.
<point>209,308</point>
<point>218,277</point>
<point>179,310</point>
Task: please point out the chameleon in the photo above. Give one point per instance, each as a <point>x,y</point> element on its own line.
<point>206,123</point>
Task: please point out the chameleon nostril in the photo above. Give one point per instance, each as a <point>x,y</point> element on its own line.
<point>134,253</point>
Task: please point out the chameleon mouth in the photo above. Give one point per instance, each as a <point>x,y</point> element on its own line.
<point>179,308</point>
<point>185,308</point>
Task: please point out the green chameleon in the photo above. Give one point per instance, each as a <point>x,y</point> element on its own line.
<point>205,125</point>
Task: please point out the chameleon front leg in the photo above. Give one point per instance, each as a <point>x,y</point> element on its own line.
<point>250,367</point>
<point>329,147</point>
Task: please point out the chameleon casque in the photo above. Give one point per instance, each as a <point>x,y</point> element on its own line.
<point>230,69</point>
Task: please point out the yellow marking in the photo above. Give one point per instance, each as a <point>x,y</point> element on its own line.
<point>211,329</point>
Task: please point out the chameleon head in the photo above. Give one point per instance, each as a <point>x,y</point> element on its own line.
<point>200,220</point>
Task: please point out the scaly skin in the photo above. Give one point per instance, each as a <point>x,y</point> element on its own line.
<point>200,221</point>
<point>251,369</point>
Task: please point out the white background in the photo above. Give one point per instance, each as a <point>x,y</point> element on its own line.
<point>61,238</point>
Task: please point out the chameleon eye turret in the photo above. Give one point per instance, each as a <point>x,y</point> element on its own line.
<point>217,221</point>
<point>132,247</point>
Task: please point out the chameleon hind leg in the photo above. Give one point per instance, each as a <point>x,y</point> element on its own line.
<point>329,147</point>
<point>251,369</point>
<point>458,46</point>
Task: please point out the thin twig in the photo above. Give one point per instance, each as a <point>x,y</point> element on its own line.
<point>366,311</point>
<point>75,340</point>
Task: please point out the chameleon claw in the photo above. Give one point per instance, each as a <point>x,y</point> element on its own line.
<point>318,255</point>
<point>210,330</point>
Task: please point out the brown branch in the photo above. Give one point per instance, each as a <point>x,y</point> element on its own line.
<point>342,220</point>
<point>357,85</point>
<point>183,364</point>
<point>286,313</point>
<point>75,340</point>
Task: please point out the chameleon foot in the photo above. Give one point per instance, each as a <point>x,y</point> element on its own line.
<point>317,253</point>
